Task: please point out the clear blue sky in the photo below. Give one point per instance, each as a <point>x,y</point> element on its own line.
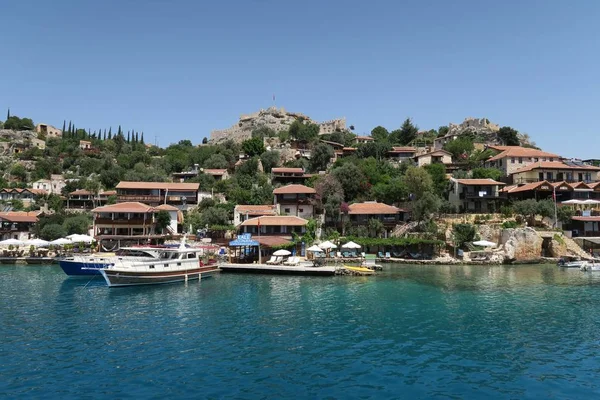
<point>179,69</point>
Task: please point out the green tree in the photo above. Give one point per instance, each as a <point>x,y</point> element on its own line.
<point>320,157</point>
<point>163,220</point>
<point>306,132</point>
<point>214,216</point>
<point>418,182</point>
<point>19,172</point>
<point>565,214</point>
<point>509,136</point>
<point>460,148</point>
<point>375,227</point>
<point>217,161</point>
<point>52,232</point>
<point>487,173</point>
<point>253,147</point>
<point>204,140</point>
<point>263,132</point>
<point>376,149</point>
<point>380,134</point>
<point>527,209</point>
<point>406,134</point>
<point>78,224</point>
<point>443,131</point>
<point>425,207</point>
<point>269,160</point>
<point>19,124</point>
<point>438,178</point>
<point>352,180</point>
<point>463,233</point>
<point>390,192</point>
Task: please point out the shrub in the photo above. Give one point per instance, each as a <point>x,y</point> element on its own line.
<point>509,225</point>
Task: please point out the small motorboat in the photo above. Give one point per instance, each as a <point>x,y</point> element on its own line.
<point>591,266</point>
<point>571,262</point>
<point>359,270</point>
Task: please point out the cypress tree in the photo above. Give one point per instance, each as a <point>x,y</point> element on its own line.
<point>119,132</point>
<point>137,137</point>
<point>104,135</point>
<point>142,139</point>
<point>69,127</point>
<point>8,114</point>
<point>110,133</point>
<point>64,126</point>
<point>128,137</point>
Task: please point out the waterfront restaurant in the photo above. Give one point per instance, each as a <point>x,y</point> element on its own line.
<point>180,195</point>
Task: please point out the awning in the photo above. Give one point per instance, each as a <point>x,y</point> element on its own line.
<point>239,242</point>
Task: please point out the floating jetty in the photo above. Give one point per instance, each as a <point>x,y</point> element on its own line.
<point>27,260</point>
<point>281,269</point>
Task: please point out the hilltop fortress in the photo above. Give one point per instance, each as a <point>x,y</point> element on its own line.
<point>273,118</point>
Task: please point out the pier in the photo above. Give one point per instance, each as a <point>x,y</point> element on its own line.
<point>280,269</point>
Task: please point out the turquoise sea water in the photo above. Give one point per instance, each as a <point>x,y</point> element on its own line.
<point>410,332</point>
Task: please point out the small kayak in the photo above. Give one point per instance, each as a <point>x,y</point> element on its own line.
<point>360,270</point>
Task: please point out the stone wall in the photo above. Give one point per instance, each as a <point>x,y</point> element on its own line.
<point>277,119</point>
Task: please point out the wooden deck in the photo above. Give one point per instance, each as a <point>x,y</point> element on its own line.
<point>279,269</point>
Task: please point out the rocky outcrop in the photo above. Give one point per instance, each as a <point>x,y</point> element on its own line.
<point>521,245</point>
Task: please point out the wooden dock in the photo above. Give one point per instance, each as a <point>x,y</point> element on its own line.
<point>27,260</point>
<point>280,269</point>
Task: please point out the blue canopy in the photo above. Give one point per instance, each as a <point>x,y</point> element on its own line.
<point>244,239</point>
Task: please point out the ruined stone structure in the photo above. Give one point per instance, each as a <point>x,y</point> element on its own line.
<point>481,127</point>
<point>277,119</point>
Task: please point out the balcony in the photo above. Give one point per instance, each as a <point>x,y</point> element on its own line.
<point>124,221</point>
<point>141,198</point>
<point>475,195</point>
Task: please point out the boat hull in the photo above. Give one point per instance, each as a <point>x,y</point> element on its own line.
<point>121,277</point>
<point>76,268</point>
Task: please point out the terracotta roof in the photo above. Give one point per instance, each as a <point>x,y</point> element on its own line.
<point>580,185</point>
<point>364,138</point>
<point>288,170</point>
<point>587,219</point>
<point>280,220</point>
<point>518,151</point>
<point>478,182</point>
<point>397,149</point>
<point>333,144</point>
<point>435,153</point>
<point>222,171</point>
<point>349,149</point>
<point>555,165</point>
<point>80,192</point>
<point>158,185</point>
<point>127,207</point>
<point>594,185</point>
<point>294,189</point>
<point>529,186</point>
<point>256,210</point>
<point>108,193</point>
<point>372,207</point>
<point>40,192</point>
<point>270,241</point>
<point>166,207</point>
<point>19,216</point>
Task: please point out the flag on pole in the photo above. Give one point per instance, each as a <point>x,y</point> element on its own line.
<point>273,97</point>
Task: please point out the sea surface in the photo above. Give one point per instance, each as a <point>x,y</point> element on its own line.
<point>410,332</point>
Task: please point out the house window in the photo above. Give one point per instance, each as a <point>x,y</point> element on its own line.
<point>536,159</point>
<point>551,158</point>
<point>569,177</point>
<point>541,176</point>
<point>512,160</point>
<point>286,210</point>
<point>500,162</point>
<point>520,160</point>
<point>549,176</point>
<point>301,210</point>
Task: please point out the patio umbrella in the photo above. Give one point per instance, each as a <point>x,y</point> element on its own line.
<point>314,248</point>
<point>351,245</point>
<point>573,201</point>
<point>282,252</point>
<point>37,243</point>
<point>484,243</point>
<point>13,242</point>
<point>590,201</point>
<point>80,238</point>
<point>61,242</point>
<point>327,245</point>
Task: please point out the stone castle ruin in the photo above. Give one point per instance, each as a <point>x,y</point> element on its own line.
<point>276,119</point>
<point>475,125</point>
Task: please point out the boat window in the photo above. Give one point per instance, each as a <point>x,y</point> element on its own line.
<point>191,255</point>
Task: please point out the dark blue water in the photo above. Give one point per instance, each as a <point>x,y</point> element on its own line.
<point>411,332</point>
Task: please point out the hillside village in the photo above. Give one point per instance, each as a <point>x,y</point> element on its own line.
<point>288,181</point>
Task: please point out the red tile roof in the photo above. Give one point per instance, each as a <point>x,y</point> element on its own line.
<point>127,207</point>
<point>435,153</point>
<point>256,210</point>
<point>108,193</point>
<point>270,241</point>
<point>372,207</point>
<point>518,151</point>
<point>282,170</point>
<point>280,220</point>
<point>80,192</point>
<point>530,186</point>
<point>158,185</point>
<point>403,150</point>
<point>294,189</point>
<point>217,172</point>
<point>19,216</point>
<point>555,165</point>
<point>478,182</point>
<point>587,219</point>
<point>166,207</point>
<point>364,138</point>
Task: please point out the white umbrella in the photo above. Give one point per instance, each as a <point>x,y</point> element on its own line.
<point>327,245</point>
<point>61,242</point>
<point>37,243</point>
<point>80,238</point>
<point>484,243</point>
<point>314,248</point>
<point>351,245</point>
<point>282,252</point>
<point>13,242</point>
<point>574,201</point>
<point>590,201</point>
